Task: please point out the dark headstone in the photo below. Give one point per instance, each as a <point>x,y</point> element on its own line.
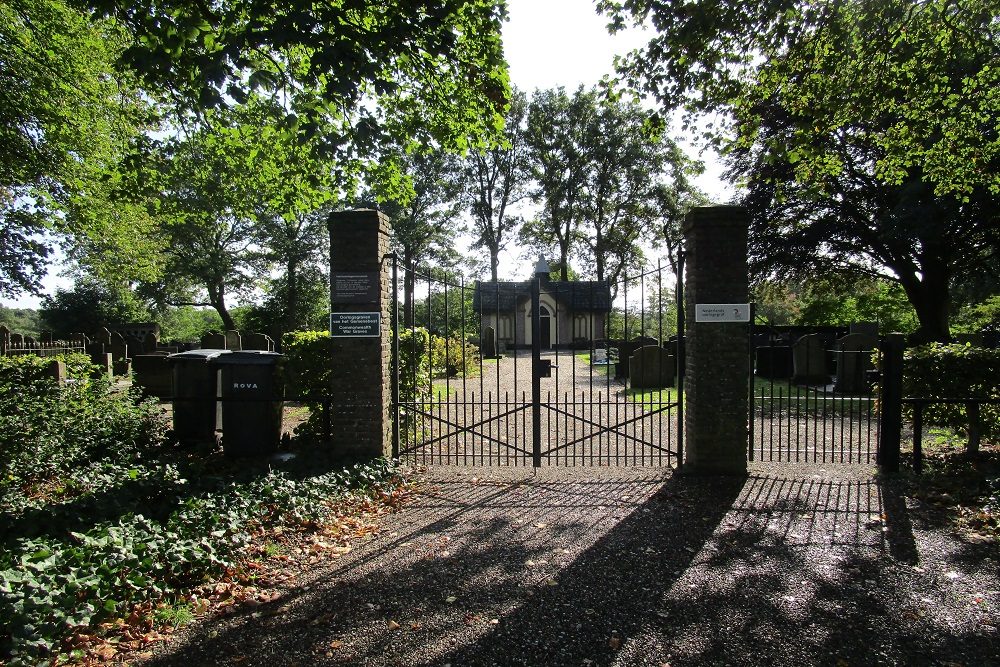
<point>809,360</point>
<point>651,367</point>
<point>489,343</point>
<point>854,353</point>
<point>234,342</point>
<point>258,341</point>
<point>103,336</point>
<point>153,375</point>
<point>213,341</point>
<point>119,351</point>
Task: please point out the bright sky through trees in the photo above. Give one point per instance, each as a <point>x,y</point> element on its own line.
<point>548,43</point>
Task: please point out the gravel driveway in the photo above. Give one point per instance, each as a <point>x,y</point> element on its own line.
<point>792,566</point>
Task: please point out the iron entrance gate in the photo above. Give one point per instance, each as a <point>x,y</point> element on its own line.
<point>545,378</point>
<point>812,395</point>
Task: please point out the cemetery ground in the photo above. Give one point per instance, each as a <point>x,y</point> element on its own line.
<point>152,554</point>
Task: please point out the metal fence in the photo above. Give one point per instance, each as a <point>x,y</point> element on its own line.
<point>534,372</point>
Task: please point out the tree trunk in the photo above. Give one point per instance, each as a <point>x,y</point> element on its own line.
<point>931,301</point>
<point>564,260</point>
<point>217,297</point>
<point>494,262</point>
<point>291,318</point>
<point>409,284</point>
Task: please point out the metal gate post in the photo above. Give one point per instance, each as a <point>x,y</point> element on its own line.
<point>891,403</point>
<point>679,366</point>
<point>536,375</point>
<point>394,382</point>
<point>750,399</point>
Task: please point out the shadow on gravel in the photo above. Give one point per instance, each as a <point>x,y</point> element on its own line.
<point>638,571</point>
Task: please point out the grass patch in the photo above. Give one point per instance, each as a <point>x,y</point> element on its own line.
<point>667,395</point>
<point>789,398</point>
<point>600,369</point>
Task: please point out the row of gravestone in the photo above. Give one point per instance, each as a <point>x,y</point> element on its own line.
<point>811,360</point>
<point>235,341</point>
<point>152,372</point>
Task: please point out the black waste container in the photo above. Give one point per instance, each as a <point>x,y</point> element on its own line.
<point>252,402</point>
<point>195,392</point>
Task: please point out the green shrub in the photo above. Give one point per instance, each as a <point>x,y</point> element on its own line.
<point>307,373</point>
<point>450,357</point>
<point>47,429</point>
<point>414,364</point>
<point>51,585</point>
<point>953,371</point>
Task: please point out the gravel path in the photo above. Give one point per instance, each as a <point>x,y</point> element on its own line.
<point>796,565</point>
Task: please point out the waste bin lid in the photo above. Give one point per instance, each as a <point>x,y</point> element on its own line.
<point>249,358</point>
<point>204,354</point>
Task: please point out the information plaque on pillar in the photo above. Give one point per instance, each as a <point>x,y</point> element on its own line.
<point>355,325</point>
<point>354,288</point>
<point>722,312</point>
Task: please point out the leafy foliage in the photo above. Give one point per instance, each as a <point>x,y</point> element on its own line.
<point>607,178</point>
<point>47,429</point>
<point>832,302</point>
<point>863,130</point>
<point>54,584</point>
<point>453,356</point>
<point>364,70</point>
<point>186,323</point>
<point>67,117</point>
<point>954,371</point>
<point>307,355</point>
<point>497,179</point>
<point>414,364</point>
<point>89,305</point>
<point>21,320</point>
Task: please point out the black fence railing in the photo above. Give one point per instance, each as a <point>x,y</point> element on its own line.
<point>972,410</point>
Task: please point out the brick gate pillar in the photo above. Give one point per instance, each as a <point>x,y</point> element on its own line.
<point>716,357</point>
<point>360,419</point>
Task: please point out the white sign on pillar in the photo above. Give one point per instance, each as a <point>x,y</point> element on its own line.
<point>722,312</point>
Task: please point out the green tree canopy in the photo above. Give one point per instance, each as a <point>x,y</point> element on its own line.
<point>348,72</point>
<point>866,131</point>
<point>497,179</point>
<point>89,305</point>
<point>67,118</point>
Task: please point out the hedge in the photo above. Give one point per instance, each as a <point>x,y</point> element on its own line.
<point>953,371</point>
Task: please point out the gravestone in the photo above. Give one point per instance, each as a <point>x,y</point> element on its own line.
<point>809,360</point>
<point>489,343</point>
<point>135,346</point>
<point>56,370</point>
<point>866,328</point>
<point>213,341</point>
<point>103,364</point>
<point>651,367</point>
<point>119,352</point>
<point>234,341</point>
<point>258,341</point>
<point>16,340</point>
<point>46,337</point>
<point>150,342</point>
<point>854,353</point>
<point>103,336</point>
<point>600,357</point>
<point>30,342</point>
<point>153,375</point>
